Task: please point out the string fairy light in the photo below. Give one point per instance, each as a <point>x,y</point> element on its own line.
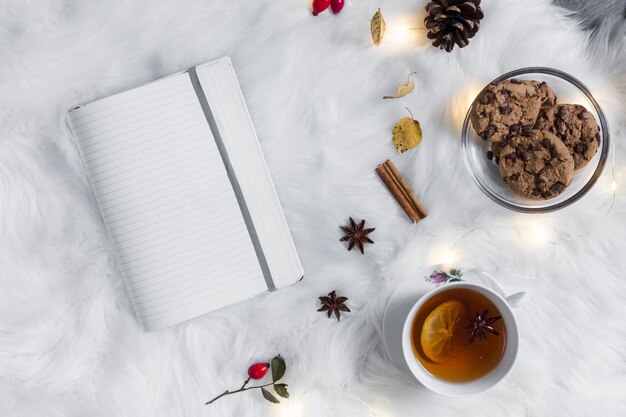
<point>401,37</point>
<point>399,32</point>
<point>463,101</point>
<point>290,408</point>
<point>295,407</point>
<point>537,231</point>
<point>445,256</point>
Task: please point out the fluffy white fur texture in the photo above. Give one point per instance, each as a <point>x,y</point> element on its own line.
<point>69,342</point>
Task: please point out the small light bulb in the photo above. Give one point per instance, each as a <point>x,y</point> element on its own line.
<point>462,102</point>
<point>447,258</point>
<point>443,256</point>
<point>400,36</point>
<point>290,408</point>
<point>537,231</point>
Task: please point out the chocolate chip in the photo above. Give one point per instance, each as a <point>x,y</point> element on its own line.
<point>513,177</point>
<point>526,129</point>
<point>511,156</point>
<point>514,127</point>
<point>546,194</point>
<point>598,137</point>
<point>560,124</point>
<point>546,143</point>
<point>536,192</point>
<point>579,148</point>
<point>489,155</point>
<point>557,187</point>
<point>497,160</point>
<point>506,110</point>
<point>487,97</point>
<point>515,81</point>
<point>490,131</point>
<point>540,181</point>
<point>548,102</point>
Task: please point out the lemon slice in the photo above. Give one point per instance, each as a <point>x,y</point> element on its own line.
<point>441,331</point>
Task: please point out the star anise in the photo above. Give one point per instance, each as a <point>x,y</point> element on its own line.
<point>356,234</point>
<point>334,304</point>
<point>479,324</point>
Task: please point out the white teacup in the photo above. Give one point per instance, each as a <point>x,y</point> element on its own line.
<point>398,321</point>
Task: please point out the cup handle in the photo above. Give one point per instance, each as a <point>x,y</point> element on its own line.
<point>515,300</point>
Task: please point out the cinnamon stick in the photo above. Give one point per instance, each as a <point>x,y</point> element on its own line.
<point>407,189</point>
<point>401,191</point>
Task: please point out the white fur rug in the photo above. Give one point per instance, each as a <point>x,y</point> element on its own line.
<point>69,342</point>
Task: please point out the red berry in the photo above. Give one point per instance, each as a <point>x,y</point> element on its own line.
<point>319,6</point>
<point>258,370</point>
<point>337,5</point>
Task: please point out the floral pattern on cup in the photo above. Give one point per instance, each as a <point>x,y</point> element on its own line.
<point>441,277</point>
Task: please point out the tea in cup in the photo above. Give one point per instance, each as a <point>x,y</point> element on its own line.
<point>458,335</point>
<point>457,339</point>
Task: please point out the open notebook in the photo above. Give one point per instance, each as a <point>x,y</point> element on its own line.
<point>185,195</point>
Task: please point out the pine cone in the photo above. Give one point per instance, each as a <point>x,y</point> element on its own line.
<point>452,21</point>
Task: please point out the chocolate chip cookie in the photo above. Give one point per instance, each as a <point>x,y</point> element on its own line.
<point>536,165</point>
<point>508,107</point>
<point>576,127</point>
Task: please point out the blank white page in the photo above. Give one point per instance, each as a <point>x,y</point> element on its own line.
<point>167,202</point>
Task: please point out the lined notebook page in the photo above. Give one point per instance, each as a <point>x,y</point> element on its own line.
<point>166,202</point>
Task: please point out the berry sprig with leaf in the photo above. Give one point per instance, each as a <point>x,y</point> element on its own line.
<point>257,371</point>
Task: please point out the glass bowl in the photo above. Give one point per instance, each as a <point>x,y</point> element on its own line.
<point>486,173</point>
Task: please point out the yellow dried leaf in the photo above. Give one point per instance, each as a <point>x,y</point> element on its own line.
<point>407,134</point>
<point>402,90</point>
<point>377,27</point>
